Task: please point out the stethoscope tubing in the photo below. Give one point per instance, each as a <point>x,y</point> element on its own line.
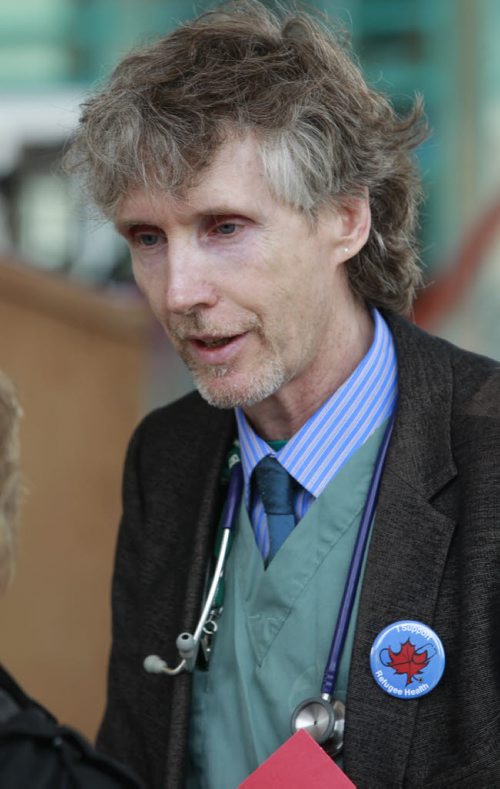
<point>229,516</point>
<point>187,643</point>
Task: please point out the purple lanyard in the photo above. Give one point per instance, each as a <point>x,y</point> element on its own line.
<point>351,584</point>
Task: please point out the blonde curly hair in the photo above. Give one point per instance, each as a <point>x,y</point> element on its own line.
<point>10,478</point>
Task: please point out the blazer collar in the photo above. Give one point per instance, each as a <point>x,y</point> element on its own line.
<point>421,442</point>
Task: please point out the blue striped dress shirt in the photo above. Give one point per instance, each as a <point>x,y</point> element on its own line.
<point>330,436</point>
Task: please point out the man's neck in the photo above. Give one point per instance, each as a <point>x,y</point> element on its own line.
<point>281,415</point>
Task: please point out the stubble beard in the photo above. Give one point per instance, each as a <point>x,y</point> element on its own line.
<point>221,385</point>
<point>255,388</point>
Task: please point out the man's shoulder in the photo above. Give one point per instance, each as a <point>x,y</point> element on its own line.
<point>187,408</point>
<point>182,423</point>
<point>474,379</point>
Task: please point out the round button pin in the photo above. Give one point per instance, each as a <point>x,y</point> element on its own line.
<point>407,659</point>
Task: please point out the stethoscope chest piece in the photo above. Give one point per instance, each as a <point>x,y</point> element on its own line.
<point>323,719</point>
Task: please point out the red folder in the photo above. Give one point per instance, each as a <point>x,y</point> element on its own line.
<point>299,764</point>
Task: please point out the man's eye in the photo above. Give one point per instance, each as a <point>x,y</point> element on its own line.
<point>226,228</point>
<point>147,239</point>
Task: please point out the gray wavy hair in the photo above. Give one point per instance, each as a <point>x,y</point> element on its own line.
<point>323,134</point>
<point>10,478</point>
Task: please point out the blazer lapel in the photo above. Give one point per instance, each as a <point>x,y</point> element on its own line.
<point>406,557</point>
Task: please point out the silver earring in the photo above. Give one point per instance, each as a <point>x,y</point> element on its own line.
<point>346,250</point>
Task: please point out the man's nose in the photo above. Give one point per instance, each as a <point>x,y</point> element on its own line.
<point>189,285</point>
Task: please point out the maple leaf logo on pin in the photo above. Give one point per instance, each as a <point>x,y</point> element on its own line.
<point>407,669</point>
<point>409,661</point>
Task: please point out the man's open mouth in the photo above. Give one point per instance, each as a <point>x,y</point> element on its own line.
<point>216,342</point>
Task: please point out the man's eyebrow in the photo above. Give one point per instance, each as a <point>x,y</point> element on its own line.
<point>220,209</point>
<point>122,225</point>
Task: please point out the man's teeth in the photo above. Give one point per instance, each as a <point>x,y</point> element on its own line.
<point>216,343</point>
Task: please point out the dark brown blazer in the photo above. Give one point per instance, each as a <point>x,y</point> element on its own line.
<point>434,557</point>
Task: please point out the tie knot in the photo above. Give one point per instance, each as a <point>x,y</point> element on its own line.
<point>275,486</point>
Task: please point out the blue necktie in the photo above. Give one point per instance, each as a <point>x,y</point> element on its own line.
<point>276,490</point>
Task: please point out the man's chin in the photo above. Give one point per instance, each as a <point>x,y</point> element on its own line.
<point>224,397</point>
<point>221,390</point>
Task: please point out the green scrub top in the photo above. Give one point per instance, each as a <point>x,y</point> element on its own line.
<point>275,632</point>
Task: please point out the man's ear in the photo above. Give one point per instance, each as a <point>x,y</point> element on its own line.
<point>353,224</point>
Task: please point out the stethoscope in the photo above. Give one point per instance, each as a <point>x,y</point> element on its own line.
<point>322,716</point>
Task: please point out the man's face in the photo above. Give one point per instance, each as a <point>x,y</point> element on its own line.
<point>253,298</point>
